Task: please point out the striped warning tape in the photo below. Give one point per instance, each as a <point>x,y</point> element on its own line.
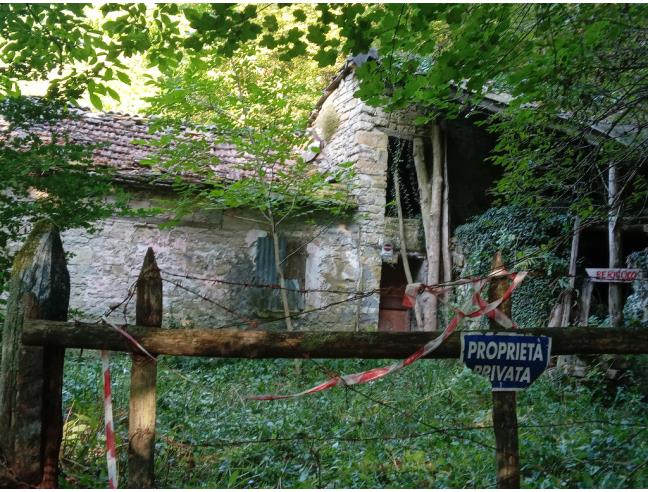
<point>128,337</point>
<point>111,452</point>
<point>412,291</point>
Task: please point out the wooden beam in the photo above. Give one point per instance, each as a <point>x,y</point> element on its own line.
<point>259,344</point>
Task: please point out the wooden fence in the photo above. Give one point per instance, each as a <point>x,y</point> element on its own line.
<point>36,334</point>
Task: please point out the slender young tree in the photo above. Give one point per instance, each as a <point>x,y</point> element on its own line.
<point>259,105</point>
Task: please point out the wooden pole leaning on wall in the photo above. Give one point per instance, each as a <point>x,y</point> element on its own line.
<point>143,390</point>
<point>504,402</point>
<point>31,378</point>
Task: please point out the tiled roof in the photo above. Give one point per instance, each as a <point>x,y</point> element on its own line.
<point>118,133</point>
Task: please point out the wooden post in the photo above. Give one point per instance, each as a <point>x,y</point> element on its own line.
<point>504,403</point>
<point>31,419</point>
<point>615,257</point>
<point>142,408</point>
<point>566,362</point>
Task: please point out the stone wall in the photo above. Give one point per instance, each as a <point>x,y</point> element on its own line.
<point>218,246</point>
<point>360,135</point>
<point>342,257</point>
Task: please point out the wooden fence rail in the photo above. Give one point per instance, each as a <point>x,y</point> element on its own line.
<point>259,344</point>
<point>36,334</point>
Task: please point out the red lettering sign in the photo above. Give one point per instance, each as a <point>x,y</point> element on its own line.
<point>613,274</point>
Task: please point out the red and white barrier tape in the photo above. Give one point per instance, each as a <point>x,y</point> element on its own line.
<point>127,336</point>
<point>413,290</point>
<point>111,452</point>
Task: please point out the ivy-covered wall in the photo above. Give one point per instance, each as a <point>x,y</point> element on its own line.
<point>523,240</point>
<point>635,312</point>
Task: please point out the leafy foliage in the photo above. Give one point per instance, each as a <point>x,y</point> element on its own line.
<point>526,244</point>
<point>44,175</point>
<point>635,311</point>
<point>62,44</point>
<point>572,75</point>
<point>259,106</point>
<point>208,435</point>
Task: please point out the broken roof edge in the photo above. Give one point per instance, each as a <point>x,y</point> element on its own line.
<point>349,65</point>
<point>490,102</point>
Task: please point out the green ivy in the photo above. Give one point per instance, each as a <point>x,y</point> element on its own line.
<point>526,243</point>
<point>209,436</point>
<point>635,311</point>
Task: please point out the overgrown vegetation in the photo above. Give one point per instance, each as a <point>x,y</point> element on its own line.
<point>526,243</point>
<point>208,435</point>
<point>46,176</point>
<point>635,311</point>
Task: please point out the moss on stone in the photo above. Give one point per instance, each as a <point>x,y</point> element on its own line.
<point>26,253</point>
<point>328,121</point>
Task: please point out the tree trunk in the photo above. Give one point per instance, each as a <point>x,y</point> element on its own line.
<point>433,238</point>
<point>403,246</point>
<point>615,297</point>
<point>282,280</point>
<point>31,378</point>
<point>423,181</point>
<point>445,222</point>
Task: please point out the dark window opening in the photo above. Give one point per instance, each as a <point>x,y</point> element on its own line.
<point>401,166</point>
<point>267,299</point>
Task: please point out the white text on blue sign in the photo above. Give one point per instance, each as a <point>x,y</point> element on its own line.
<point>509,361</point>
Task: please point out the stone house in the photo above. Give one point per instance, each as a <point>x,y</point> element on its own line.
<point>210,253</point>
<point>219,255</point>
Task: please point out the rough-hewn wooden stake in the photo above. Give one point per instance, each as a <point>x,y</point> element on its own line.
<point>504,404</point>
<point>31,377</point>
<point>567,361</point>
<point>143,391</point>
<point>403,246</point>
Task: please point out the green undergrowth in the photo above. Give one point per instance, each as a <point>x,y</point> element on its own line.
<point>428,426</point>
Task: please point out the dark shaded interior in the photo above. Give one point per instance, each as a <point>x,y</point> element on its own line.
<point>401,162</point>
<point>470,174</point>
<point>594,253</point>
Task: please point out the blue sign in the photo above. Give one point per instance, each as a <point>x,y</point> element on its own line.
<point>509,361</point>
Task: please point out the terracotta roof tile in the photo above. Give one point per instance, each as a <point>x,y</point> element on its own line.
<point>118,133</point>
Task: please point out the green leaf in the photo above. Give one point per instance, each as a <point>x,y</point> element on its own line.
<point>95,100</point>
<point>124,77</point>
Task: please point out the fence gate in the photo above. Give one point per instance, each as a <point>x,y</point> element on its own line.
<point>36,334</point>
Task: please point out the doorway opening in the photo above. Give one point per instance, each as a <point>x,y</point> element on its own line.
<point>392,316</point>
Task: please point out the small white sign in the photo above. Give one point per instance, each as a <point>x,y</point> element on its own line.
<point>613,274</point>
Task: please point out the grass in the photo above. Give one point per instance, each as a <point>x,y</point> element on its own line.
<point>428,426</point>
